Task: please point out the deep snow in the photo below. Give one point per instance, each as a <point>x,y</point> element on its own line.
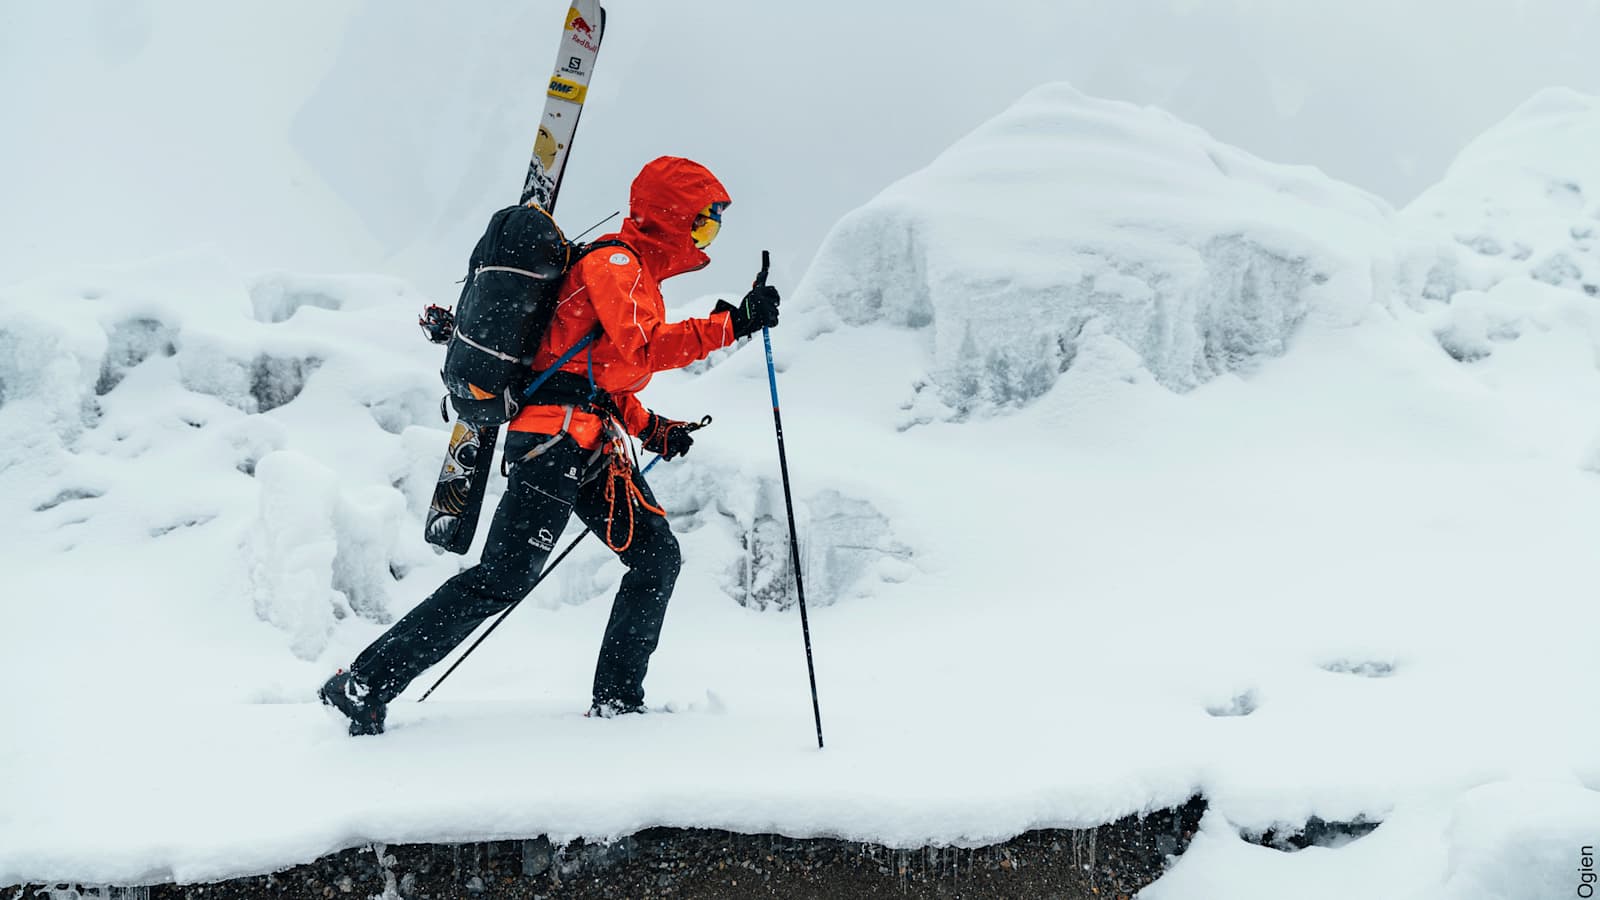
<point>1342,569</point>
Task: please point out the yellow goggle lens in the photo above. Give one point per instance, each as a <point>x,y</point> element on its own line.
<point>706,225</point>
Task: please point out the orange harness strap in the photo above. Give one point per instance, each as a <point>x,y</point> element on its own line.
<point>620,468</point>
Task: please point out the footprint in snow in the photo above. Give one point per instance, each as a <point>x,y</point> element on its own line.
<point>1241,704</point>
<point>1372,668</point>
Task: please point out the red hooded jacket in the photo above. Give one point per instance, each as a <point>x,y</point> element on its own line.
<point>620,290</point>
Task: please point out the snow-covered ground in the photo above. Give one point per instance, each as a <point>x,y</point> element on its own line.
<point>1129,465</point>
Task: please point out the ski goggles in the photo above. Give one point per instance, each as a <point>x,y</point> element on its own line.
<point>707,223</point>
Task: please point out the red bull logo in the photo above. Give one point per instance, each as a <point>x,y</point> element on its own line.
<point>582,32</point>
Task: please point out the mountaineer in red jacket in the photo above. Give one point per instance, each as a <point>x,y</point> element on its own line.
<point>567,450</point>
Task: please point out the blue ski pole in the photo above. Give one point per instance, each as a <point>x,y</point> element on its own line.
<point>788,503</point>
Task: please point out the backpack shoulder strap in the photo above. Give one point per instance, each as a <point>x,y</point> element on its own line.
<point>583,250</point>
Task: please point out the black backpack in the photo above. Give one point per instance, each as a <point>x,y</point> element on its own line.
<point>513,278</point>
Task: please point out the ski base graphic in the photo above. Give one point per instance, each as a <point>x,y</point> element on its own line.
<point>458,495</point>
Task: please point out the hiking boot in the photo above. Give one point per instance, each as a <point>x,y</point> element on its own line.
<point>348,695</point>
<point>610,709</point>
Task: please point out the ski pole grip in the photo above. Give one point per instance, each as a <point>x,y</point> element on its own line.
<point>766,263</point>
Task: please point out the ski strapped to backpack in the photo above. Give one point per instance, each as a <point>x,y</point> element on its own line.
<point>463,479</point>
<point>581,33</point>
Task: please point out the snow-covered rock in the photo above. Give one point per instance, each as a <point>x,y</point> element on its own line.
<point>178,396</point>
<point>1070,221</point>
<point>318,553</point>
<point>1523,199</point>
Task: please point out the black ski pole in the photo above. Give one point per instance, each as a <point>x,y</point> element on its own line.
<point>788,503</point>
<point>542,576</point>
<point>496,624</point>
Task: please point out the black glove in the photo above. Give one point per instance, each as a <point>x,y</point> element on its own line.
<point>759,310</point>
<point>668,437</point>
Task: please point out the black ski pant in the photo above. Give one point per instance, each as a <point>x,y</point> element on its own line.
<point>540,497</point>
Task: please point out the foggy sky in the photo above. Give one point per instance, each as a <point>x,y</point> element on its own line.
<point>378,135</point>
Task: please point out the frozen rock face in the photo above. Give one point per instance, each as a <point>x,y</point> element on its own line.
<point>733,521</point>
<point>1523,199</point>
<point>1068,218</point>
<point>847,546</point>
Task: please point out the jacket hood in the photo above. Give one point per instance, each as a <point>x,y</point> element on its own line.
<point>665,198</point>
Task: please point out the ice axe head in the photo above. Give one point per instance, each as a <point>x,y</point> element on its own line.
<point>766,263</point>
